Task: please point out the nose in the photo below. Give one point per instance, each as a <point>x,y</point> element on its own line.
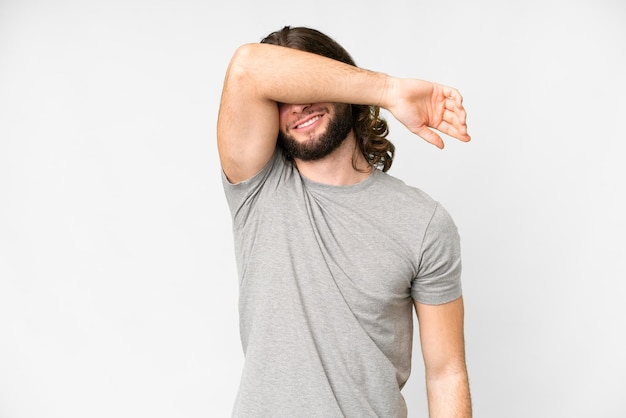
<point>299,108</point>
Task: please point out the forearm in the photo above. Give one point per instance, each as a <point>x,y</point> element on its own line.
<point>286,75</point>
<point>449,396</point>
<point>443,348</point>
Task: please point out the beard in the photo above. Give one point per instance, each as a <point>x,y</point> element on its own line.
<point>319,146</point>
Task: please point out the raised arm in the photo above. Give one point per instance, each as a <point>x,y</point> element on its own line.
<point>443,348</point>
<point>260,76</point>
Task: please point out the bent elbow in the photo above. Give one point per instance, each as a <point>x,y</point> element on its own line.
<point>242,63</point>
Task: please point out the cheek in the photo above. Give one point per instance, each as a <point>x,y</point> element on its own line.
<point>283,111</point>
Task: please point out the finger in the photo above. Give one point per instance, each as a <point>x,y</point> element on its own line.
<point>461,114</point>
<point>449,116</point>
<point>430,136</point>
<point>450,104</point>
<point>456,119</point>
<point>454,111</point>
<point>459,132</point>
<point>454,95</point>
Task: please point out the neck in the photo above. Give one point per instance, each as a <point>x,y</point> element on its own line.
<point>337,169</point>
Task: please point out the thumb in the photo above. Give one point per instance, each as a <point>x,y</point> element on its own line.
<point>429,136</point>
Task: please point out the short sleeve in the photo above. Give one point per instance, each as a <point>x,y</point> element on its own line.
<point>241,196</point>
<point>438,279</point>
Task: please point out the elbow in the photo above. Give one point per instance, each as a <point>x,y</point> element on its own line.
<point>449,370</point>
<point>242,63</point>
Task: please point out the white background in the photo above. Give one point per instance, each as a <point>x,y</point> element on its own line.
<point>118,289</point>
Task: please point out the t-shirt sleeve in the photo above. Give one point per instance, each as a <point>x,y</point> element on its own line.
<point>241,196</point>
<point>439,275</point>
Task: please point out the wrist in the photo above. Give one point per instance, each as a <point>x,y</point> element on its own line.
<point>389,93</point>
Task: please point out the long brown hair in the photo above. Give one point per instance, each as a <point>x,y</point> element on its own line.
<point>370,128</point>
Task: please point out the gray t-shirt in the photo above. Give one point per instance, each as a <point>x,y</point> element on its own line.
<point>327,279</point>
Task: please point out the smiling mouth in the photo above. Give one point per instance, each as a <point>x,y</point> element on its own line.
<point>309,122</point>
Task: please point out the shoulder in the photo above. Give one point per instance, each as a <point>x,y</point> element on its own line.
<point>402,192</point>
<point>261,185</point>
<point>276,166</point>
<point>412,206</point>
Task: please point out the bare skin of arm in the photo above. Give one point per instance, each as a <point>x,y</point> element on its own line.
<point>443,349</point>
<point>260,76</point>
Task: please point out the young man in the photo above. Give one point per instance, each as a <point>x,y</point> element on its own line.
<point>332,252</point>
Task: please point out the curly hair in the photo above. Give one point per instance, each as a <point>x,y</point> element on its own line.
<point>370,128</point>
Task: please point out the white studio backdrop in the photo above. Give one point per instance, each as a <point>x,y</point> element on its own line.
<point>118,288</point>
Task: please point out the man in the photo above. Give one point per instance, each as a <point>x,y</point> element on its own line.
<point>332,252</point>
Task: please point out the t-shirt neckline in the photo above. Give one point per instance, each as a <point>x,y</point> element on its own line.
<point>350,188</point>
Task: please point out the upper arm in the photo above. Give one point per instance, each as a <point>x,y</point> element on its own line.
<point>247,125</point>
<point>442,337</point>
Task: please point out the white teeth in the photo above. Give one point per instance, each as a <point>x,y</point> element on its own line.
<point>308,122</point>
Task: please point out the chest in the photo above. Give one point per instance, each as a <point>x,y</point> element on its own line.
<point>357,248</point>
